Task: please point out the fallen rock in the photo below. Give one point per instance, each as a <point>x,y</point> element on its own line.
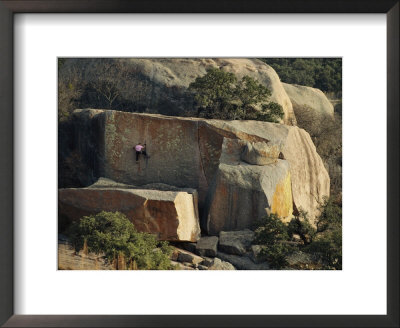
<point>170,215</point>
<point>255,254</point>
<point>243,262</point>
<point>181,266</point>
<point>207,261</point>
<point>190,247</point>
<point>188,257</point>
<point>207,246</point>
<point>235,242</point>
<point>311,97</point>
<point>218,264</point>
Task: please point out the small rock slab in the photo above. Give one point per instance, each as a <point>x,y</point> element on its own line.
<point>235,242</point>
<point>243,262</point>
<point>181,266</point>
<point>218,264</point>
<point>255,254</point>
<point>188,257</point>
<point>207,262</point>
<point>190,247</point>
<point>207,246</point>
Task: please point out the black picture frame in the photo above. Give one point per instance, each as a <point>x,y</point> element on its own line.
<point>10,7</point>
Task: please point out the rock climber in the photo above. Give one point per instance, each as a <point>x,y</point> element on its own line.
<point>140,149</point>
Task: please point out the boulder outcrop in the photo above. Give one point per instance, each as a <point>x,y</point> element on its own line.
<point>160,84</point>
<point>241,192</point>
<point>208,156</point>
<point>171,215</point>
<point>311,97</point>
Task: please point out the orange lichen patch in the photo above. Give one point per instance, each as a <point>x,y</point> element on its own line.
<point>282,203</point>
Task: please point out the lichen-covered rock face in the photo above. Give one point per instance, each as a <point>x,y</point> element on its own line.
<point>206,155</point>
<point>170,215</point>
<point>311,97</point>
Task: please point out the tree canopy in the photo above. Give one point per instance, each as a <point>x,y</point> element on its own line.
<point>222,95</point>
<point>321,73</point>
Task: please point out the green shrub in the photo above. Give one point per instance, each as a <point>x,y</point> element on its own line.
<point>270,230</point>
<point>321,73</point>
<point>115,236</point>
<point>330,214</point>
<point>276,254</point>
<point>329,246</point>
<point>328,241</point>
<point>221,95</point>
<point>325,242</point>
<point>272,234</point>
<point>302,226</point>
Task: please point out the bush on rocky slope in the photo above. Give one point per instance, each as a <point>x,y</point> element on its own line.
<point>115,236</point>
<point>323,242</point>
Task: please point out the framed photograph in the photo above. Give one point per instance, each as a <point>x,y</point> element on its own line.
<point>197,164</point>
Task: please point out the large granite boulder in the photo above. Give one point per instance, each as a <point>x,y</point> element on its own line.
<point>241,193</point>
<point>171,215</point>
<point>313,98</point>
<point>206,155</point>
<point>160,84</point>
